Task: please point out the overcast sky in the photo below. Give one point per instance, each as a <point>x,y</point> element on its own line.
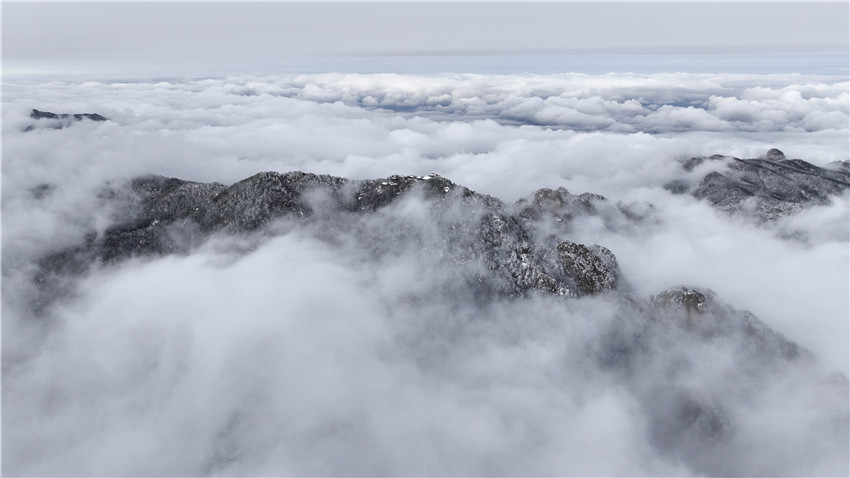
<point>152,31</point>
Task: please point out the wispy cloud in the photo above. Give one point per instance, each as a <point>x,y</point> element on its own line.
<point>306,352</point>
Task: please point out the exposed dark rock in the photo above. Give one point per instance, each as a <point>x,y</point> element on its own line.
<point>551,215</point>
<point>700,310</point>
<point>170,215</point>
<point>766,188</point>
<point>683,328</point>
<point>683,298</point>
<point>50,120</point>
<point>678,186</point>
<point>594,268</point>
<point>691,163</point>
<point>36,114</point>
<point>494,249</point>
<point>491,251</point>
<point>649,325</point>
<point>558,204</point>
<point>774,155</point>
<point>377,193</point>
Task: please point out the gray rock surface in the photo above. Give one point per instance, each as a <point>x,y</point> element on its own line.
<point>493,251</point>
<point>491,248</point>
<point>168,215</point>
<point>488,251</point>
<point>766,188</point>
<point>594,267</point>
<point>683,329</point>
<point>774,155</point>
<point>700,310</point>
<point>46,119</point>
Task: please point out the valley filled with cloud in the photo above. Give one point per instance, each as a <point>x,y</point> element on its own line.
<point>342,337</point>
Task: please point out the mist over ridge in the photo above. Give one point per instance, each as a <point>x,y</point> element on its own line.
<point>421,274</point>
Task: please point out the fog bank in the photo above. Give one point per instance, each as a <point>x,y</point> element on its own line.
<point>350,345</point>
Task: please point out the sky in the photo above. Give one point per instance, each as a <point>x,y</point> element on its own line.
<point>294,34</point>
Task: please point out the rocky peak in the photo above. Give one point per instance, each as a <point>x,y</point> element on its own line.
<point>36,114</point>
<point>46,119</point>
<point>476,234</point>
<point>485,250</point>
<point>594,267</point>
<point>766,188</point>
<point>558,203</point>
<point>774,155</point>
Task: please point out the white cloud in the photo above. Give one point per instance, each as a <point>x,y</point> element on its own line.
<point>299,356</point>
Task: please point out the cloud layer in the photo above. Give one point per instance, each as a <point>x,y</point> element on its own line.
<point>300,353</point>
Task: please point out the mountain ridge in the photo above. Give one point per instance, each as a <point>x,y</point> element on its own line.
<point>478,251</point>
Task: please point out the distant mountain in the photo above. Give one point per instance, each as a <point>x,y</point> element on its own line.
<point>766,188</point>
<point>46,119</point>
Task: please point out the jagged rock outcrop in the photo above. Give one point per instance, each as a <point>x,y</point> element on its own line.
<point>488,250</point>
<point>686,311</point>
<point>470,235</point>
<point>767,188</point>
<point>683,298</point>
<point>700,309</point>
<point>685,328</point>
<point>774,155</point>
<point>594,267</point>
<point>169,215</point>
<point>550,215</point>
<point>46,119</point>
<point>558,204</point>
<point>471,232</point>
<point>36,114</point>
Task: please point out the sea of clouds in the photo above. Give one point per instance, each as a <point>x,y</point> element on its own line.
<point>299,355</point>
